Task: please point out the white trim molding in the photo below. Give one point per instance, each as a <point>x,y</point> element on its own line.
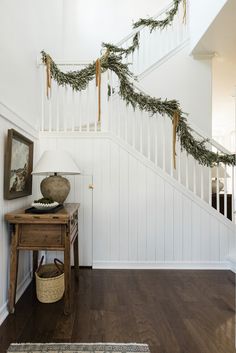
<point>8,114</point>
<point>161,265</point>
<point>20,290</point>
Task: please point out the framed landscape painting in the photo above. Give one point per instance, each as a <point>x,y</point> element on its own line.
<point>18,166</point>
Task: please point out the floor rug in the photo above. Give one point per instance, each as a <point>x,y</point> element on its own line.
<point>78,348</point>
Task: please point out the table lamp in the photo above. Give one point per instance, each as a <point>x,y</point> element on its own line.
<point>221,175</point>
<point>54,164</point>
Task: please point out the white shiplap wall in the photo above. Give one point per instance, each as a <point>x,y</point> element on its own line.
<point>142,218</point>
<point>7,206</point>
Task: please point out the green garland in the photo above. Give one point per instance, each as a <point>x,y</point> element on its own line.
<point>150,22</point>
<point>114,49</point>
<point>161,24</point>
<point>79,80</point>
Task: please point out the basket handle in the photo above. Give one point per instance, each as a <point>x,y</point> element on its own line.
<point>40,264</point>
<point>56,261</point>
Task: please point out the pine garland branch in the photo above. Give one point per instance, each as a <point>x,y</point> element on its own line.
<point>153,24</point>
<point>115,49</point>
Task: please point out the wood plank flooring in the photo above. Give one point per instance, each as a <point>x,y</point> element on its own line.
<point>172,311</point>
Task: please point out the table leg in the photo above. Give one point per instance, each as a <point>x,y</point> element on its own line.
<point>13,269</point>
<point>35,260</point>
<point>67,269</point>
<point>76,257</point>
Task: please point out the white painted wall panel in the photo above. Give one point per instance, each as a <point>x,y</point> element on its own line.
<point>142,217</point>
<point>5,207</point>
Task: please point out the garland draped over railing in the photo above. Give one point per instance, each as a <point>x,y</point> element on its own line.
<point>152,24</point>
<point>112,60</point>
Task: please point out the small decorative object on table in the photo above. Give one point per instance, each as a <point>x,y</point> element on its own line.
<point>45,204</point>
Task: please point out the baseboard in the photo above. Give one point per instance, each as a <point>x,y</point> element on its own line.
<point>20,290</point>
<point>232,262</point>
<point>161,265</point>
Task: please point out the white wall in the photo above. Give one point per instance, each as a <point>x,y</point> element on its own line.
<point>223,102</point>
<point>202,13</point>
<point>88,23</point>
<point>187,80</point>
<point>141,217</point>
<point>27,27</point>
<point>7,206</point>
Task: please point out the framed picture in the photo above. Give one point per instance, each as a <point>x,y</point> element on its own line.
<point>18,166</point>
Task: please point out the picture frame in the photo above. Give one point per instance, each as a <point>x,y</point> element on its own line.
<point>18,166</point>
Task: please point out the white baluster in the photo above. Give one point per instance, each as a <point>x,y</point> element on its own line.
<point>73,110</point>
<point>43,85</point>
<point>179,160</point>
<point>141,132</point>
<point>164,143</point>
<point>148,139</point>
<point>225,192</point>
<point>80,110</point>
<point>194,177</point>
<point>64,109</point>
<point>233,193</point>
<point>187,170</point>
<point>88,107</point>
<point>94,113</point>
<point>202,182</point>
<point>209,186</point>
<point>57,107</point>
<point>156,141</point>
<point>133,128</point>
<point>217,189</point>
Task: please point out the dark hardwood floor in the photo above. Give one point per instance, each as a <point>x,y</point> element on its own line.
<point>172,311</point>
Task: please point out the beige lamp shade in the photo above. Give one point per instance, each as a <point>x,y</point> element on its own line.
<point>59,162</point>
<point>55,164</point>
<point>221,172</point>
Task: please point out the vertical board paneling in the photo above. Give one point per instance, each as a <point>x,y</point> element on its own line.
<point>214,240</point>
<point>142,217</point>
<point>151,216</point>
<point>8,206</point>
<point>187,229</point>
<point>137,216</point>
<point>196,235</point>
<point>224,242</point>
<point>178,226</point>
<point>205,235</point>
<point>169,226</point>
<point>115,203</point>
<point>98,245</point>
<point>105,190</point>
<point>85,236</point>
<point>133,216</point>
<point>124,206</point>
<point>159,214</point>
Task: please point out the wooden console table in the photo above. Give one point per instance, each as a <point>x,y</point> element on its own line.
<point>51,231</point>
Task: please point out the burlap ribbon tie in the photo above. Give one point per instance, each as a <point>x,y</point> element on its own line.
<point>175,123</point>
<point>49,78</point>
<point>184,11</point>
<point>98,85</point>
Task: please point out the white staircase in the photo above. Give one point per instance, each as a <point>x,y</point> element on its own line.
<point>149,136</point>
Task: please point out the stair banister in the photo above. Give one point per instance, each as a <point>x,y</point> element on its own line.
<point>135,31</point>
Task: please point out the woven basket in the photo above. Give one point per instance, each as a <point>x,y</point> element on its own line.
<point>50,290</point>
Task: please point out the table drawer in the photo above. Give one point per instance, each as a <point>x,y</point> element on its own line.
<point>44,235</point>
